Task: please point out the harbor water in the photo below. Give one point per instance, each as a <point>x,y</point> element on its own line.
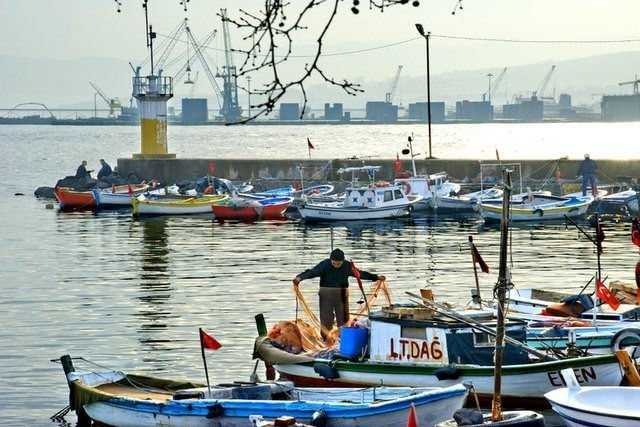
<point>131,294</point>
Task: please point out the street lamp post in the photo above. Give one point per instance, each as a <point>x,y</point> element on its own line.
<point>427,36</point>
<point>249,96</point>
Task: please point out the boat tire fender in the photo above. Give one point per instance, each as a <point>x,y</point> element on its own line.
<point>326,371</point>
<point>319,419</point>
<point>447,373</point>
<point>538,212</point>
<point>215,411</point>
<point>625,337</point>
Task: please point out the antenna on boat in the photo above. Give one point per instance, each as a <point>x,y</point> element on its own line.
<point>413,156</point>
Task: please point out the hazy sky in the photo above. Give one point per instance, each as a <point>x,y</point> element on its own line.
<point>77,29</point>
<point>91,28</point>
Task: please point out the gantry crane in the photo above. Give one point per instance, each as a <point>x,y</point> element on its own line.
<point>113,103</point>
<point>545,82</point>
<point>231,110</point>
<point>489,93</point>
<point>635,84</point>
<point>388,97</point>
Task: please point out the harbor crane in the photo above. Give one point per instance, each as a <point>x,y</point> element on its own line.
<point>635,84</point>
<point>388,97</point>
<point>545,82</point>
<point>231,111</point>
<point>113,103</point>
<point>489,93</point>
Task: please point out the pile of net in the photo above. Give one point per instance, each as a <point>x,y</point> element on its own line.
<point>304,335</point>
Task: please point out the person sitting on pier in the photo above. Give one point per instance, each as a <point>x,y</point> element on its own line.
<point>105,170</point>
<point>588,170</point>
<point>334,275</point>
<point>82,171</point>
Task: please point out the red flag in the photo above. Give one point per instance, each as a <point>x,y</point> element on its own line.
<point>604,294</point>
<point>638,276</point>
<point>478,259</point>
<point>412,419</point>
<point>397,165</point>
<point>209,342</point>
<point>635,231</point>
<point>310,145</point>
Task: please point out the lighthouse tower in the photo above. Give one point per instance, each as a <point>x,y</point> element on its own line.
<point>152,93</point>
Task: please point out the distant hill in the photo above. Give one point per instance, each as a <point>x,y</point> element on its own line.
<point>65,83</point>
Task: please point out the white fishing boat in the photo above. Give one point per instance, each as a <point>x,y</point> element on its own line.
<point>119,399</point>
<point>595,406</point>
<point>107,197</point>
<point>465,202</point>
<point>626,198</point>
<point>430,187</point>
<point>143,206</point>
<point>538,207</point>
<point>377,200</point>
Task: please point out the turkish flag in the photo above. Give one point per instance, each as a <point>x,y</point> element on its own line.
<point>478,259</point>
<point>208,342</point>
<point>397,165</point>
<point>412,419</point>
<point>604,294</point>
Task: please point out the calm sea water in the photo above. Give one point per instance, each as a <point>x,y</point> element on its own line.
<point>131,294</point>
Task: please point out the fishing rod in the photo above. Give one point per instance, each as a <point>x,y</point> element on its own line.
<point>477,325</point>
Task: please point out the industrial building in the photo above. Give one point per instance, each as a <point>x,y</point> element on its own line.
<point>418,111</point>
<point>289,111</point>
<point>526,110</point>
<point>381,112</point>
<point>474,111</point>
<point>620,107</point>
<point>333,112</point>
<point>194,111</point>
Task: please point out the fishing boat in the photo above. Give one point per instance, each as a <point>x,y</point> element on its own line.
<point>413,346</point>
<point>118,195</point>
<point>172,206</point>
<point>69,198</point>
<point>378,200</point>
<point>251,210</point>
<point>580,406</point>
<point>125,400</point>
<point>538,208</point>
<point>430,187</point>
<point>623,199</point>
<point>465,202</point>
<point>316,190</point>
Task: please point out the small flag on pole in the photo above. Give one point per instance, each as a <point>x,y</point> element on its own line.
<point>478,259</point>
<point>310,146</point>
<point>210,343</point>
<point>604,294</point>
<point>397,165</point>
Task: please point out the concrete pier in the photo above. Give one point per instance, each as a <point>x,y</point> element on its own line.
<point>175,170</point>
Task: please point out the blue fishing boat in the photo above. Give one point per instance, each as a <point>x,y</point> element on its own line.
<point>125,400</point>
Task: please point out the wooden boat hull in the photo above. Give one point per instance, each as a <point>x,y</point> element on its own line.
<point>193,206</point>
<point>72,199</point>
<point>264,209</point>
<point>118,399</point>
<point>550,212</point>
<point>118,196</point>
<point>597,406</point>
<point>519,382</point>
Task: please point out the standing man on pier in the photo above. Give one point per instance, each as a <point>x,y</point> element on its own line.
<point>588,170</point>
<point>334,275</point>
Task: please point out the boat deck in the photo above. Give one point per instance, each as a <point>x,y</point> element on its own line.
<point>135,393</point>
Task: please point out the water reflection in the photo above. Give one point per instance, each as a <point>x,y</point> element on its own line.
<point>155,308</point>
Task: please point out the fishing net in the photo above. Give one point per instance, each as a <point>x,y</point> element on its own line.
<point>309,329</point>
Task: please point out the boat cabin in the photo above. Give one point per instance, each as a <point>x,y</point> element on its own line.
<point>375,196</point>
<point>408,334</point>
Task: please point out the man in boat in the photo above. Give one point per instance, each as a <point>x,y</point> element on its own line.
<point>105,170</point>
<point>588,170</point>
<point>82,172</point>
<point>334,275</point>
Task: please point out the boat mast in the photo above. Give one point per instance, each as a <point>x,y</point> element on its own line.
<point>504,281</point>
<point>413,159</point>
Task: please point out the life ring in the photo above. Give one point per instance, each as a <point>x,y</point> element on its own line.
<point>627,337</point>
<point>406,187</point>
<point>379,184</point>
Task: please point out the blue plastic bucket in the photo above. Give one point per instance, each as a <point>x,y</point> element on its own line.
<point>353,341</point>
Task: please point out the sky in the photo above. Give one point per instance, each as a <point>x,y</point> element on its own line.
<point>80,29</point>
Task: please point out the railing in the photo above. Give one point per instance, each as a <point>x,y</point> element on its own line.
<point>152,85</point>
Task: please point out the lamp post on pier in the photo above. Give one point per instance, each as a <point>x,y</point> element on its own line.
<point>427,35</point>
